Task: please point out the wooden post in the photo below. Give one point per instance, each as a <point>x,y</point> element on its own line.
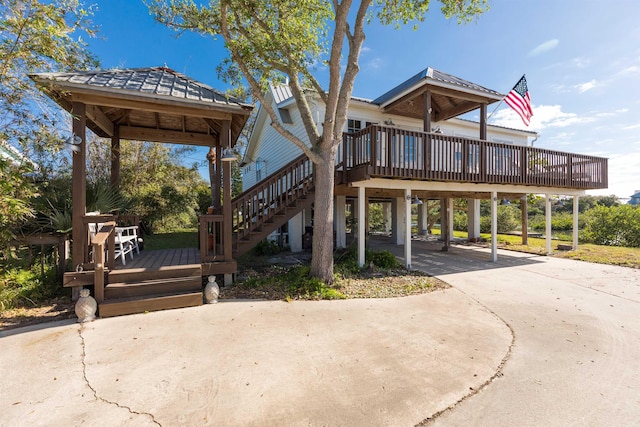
<point>444,223</point>
<point>79,183</point>
<point>426,117</point>
<point>226,183</point>
<point>216,173</point>
<point>483,122</point>
<point>115,157</point>
<point>494,226</point>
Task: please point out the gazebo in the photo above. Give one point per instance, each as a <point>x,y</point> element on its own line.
<point>150,104</point>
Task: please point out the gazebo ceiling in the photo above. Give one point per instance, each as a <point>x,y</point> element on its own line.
<point>450,96</point>
<point>149,104</point>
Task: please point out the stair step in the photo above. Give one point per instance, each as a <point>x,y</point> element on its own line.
<point>135,305</point>
<point>153,287</point>
<point>166,272</point>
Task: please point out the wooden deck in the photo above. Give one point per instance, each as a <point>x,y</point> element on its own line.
<point>152,260</point>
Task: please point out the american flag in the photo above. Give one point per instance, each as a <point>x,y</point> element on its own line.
<point>519,100</point>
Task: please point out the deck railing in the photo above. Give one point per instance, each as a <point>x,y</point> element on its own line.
<point>398,153</point>
<point>211,238</point>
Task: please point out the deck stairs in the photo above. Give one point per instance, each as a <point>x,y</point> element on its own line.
<point>137,290</point>
<point>268,205</point>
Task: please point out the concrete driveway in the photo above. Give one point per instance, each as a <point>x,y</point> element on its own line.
<point>255,363</point>
<point>576,354</point>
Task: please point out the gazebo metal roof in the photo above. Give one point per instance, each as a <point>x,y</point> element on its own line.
<point>154,104</point>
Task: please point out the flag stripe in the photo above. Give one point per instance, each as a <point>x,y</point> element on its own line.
<point>518,99</point>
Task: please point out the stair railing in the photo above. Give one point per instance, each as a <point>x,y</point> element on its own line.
<point>269,197</point>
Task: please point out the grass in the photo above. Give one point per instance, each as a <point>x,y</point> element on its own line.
<point>187,238</point>
<point>612,255</point>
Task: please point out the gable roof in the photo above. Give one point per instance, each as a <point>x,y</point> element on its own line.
<point>145,102</point>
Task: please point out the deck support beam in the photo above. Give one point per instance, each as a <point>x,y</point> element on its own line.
<point>361,223</point>
<point>524,208</point>
<point>547,228</point>
<point>340,222</point>
<point>407,231</point>
<point>226,205</point>
<point>494,226</point>
<point>576,208</point>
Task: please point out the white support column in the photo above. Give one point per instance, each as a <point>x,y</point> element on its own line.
<point>387,216</point>
<point>422,218</point>
<point>494,226</point>
<point>361,234</point>
<point>295,229</point>
<point>547,228</point>
<point>473,218</point>
<point>407,232</point>
<point>576,208</point>
<point>340,221</point>
<point>398,221</point>
<point>450,220</point>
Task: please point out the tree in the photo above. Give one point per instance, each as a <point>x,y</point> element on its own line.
<point>270,39</point>
<point>15,193</point>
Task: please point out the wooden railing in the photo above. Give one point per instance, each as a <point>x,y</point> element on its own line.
<point>398,153</point>
<point>104,237</point>
<point>260,203</point>
<point>97,221</point>
<point>211,238</point>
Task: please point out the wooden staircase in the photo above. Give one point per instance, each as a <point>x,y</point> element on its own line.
<point>138,291</point>
<point>268,205</point>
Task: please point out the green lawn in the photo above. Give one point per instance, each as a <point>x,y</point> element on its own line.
<point>187,238</point>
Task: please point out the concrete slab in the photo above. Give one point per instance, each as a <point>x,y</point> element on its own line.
<point>253,363</point>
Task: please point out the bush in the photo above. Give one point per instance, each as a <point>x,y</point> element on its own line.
<point>346,263</point>
<point>26,286</point>
<point>508,220</point>
<point>460,221</point>
<point>613,226</point>
<point>267,248</point>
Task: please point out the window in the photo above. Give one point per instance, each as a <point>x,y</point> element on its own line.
<point>354,125</point>
<point>285,116</point>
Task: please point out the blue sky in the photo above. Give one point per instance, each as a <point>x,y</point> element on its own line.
<point>581,59</point>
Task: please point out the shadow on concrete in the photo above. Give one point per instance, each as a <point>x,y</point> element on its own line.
<point>427,255</point>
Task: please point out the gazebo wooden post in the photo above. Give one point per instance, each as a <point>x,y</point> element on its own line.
<point>78,188</point>
<point>216,174</point>
<point>115,157</point>
<point>225,141</point>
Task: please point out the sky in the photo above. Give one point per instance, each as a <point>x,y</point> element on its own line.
<point>581,59</point>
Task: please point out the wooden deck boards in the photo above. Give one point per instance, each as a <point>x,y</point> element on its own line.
<point>156,259</point>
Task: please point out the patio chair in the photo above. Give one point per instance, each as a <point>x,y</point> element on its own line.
<point>126,239</point>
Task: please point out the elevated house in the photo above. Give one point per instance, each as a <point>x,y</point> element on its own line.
<point>408,143</point>
<point>635,199</point>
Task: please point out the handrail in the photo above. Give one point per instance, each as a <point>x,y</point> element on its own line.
<point>267,198</point>
<point>399,153</point>
<point>104,235</point>
<point>210,237</point>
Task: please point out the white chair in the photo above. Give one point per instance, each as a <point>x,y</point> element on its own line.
<point>126,239</point>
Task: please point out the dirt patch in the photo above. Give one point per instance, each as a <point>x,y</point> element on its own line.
<point>60,308</point>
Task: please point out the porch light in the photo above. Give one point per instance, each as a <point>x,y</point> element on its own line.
<point>73,143</point>
<point>228,156</point>
<point>389,122</point>
<point>505,202</point>
<point>415,200</point>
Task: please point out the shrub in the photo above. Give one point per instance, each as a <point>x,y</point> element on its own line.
<point>508,220</point>
<point>267,248</point>
<point>613,226</point>
<point>21,286</point>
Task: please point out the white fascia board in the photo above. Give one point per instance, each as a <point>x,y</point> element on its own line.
<point>443,85</point>
<point>394,184</point>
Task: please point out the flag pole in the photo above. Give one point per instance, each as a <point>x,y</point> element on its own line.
<point>498,106</point>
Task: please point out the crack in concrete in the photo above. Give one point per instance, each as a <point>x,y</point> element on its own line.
<point>95,392</point>
<point>490,380</point>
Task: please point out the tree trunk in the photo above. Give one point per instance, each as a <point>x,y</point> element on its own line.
<point>322,254</point>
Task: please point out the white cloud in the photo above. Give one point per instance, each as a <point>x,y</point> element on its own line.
<point>583,87</point>
<point>375,63</point>
<point>631,127</point>
<point>544,116</point>
<point>365,49</point>
<point>544,47</point>
<point>623,175</point>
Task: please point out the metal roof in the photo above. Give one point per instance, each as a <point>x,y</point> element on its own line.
<point>156,81</point>
<point>437,77</point>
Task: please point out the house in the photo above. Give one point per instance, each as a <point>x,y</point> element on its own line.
<point>635,199</point>
<point>13,155</point>
<point>410,142</point>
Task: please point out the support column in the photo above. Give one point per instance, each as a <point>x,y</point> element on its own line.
<point>524,208</point>
<point>547,228</point>
<point>79,185</point>
<point>494,226</point>
<point>340,222</point>
<point>361,231</point>
<point>115,157</point>
<point>295,228</point>
<point>407,232</point>
<point>444,223</point>
<point>397,221</point>
<point>226,191</point>
<point>387,216</point>
<point>426,119</point>
<point>576,209</point>
<point>473,218</point>
<point>423,213</point>
<point>450,212</point>
<point>216,174</point>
